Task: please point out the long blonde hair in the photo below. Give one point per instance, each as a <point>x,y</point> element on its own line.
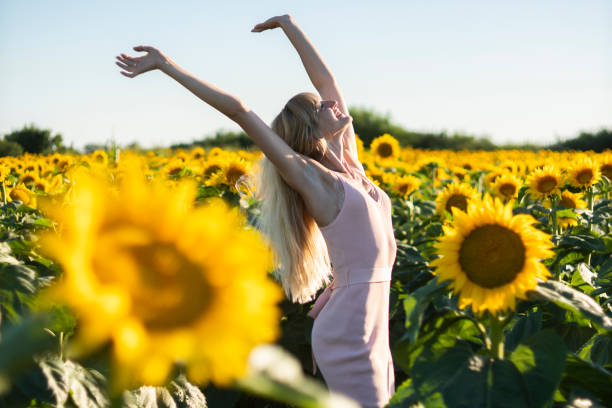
<point>302,260</point>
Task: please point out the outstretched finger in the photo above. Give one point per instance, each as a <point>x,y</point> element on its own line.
<point>129,74</point>
<point>144,48</point>
<point>122,65</point>
<point>127,57</point>
<point>126,61</point>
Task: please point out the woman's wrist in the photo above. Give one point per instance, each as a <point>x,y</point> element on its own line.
<point>286,21</point>
<point>166,65</point>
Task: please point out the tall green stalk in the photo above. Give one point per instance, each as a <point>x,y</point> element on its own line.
<point>590,205</point>
<point>497,337</point>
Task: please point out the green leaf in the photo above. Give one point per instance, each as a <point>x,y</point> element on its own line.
<point>587,242</point>
<point>525,327</point>
<point>416,303</point>
<point>43,222</point>
<point>598,350</point>
<point>508,387</point>
<point>570,299</point>
<point>70,382</point>
<point>540,361</point>
<point>404,396</point>
<point>584,374</point>
<point>587,274</point>
<point>20,342</point>
<point>19,278</point>
<point>273,373</point>
<point>567,213</point>
<point>180,393</point>
<point>432,372</point>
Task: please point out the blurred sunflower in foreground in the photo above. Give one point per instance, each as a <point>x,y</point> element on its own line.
<point>161,280</point>
<point>490,256</point>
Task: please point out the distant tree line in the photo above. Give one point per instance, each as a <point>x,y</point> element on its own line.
<point>31,139</point>
<point>368,125</point>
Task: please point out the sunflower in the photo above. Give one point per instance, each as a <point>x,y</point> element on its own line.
<point>456,195</point>
<point>507,186</point>
<point>490,256</point>
<point>212,166</point>
<point>544,182</point>
<point>100,157</point>
<point>162,281</point>
<point>234,169</point>
<point>491,176</point>
<point>385,148</point>
<point>605,165</point>
<point>583,173</point>
<point>197,153</point>
<point>41,186</point>
<point>21,193</point>
<point>404,185</point>
<point>173,168</point>
<point>568,200</point>
<point>29,177</point>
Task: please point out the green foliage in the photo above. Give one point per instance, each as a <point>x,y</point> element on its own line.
<point>585,141</point>
<point>35,140</point>
<point>8,148</point>
<point>223,139</point>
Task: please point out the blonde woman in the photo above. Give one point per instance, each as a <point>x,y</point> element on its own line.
<point>319,210</point>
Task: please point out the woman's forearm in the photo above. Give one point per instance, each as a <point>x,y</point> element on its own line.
<point>225,103</point>
<point>317,70</point>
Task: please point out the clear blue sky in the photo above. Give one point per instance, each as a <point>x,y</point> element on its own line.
<point>514,71</point>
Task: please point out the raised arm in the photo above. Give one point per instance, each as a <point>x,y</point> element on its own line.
<point>318,71</point>
<point>296,169</point>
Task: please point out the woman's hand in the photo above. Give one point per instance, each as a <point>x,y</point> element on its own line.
<point>138,65</point>
<point>271,23</point>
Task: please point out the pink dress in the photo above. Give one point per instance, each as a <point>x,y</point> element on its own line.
<point>350,336</point>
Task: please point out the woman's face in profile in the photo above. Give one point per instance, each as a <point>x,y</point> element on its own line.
<point>330,119</point>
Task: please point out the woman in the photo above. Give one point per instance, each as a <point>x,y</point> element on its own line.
<point>319,210</point>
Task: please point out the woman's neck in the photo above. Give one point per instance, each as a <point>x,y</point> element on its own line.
<point>334,158</point>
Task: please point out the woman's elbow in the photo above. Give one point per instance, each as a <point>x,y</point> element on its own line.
<point>237,111</point>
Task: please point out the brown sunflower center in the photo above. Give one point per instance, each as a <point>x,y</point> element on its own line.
<point>384,150</point>
<point>547,184</point>
<point>233,174</point>
<point>27,179</point>
<point>40,186</point>
<point>567,202</point>
<point>606,170</point>
<point>507,189</point>
<point>167,289</point>
<point>457,200</point>
<point>404,188</point>
<point>584,176</point>
<point>99,158</point>
<point>492,256</point>
<point>173,171</point>
<point>172,287</point>
<point>211,169</point>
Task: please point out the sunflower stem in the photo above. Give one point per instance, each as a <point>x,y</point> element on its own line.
<point>483,331</point>
<point>590,204</point>
<point>553,205</point>
<point>411,217</point>
<point>3,191</point>
<point>497,337</point>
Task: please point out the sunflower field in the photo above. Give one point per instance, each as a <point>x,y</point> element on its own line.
<point>139,279</point>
